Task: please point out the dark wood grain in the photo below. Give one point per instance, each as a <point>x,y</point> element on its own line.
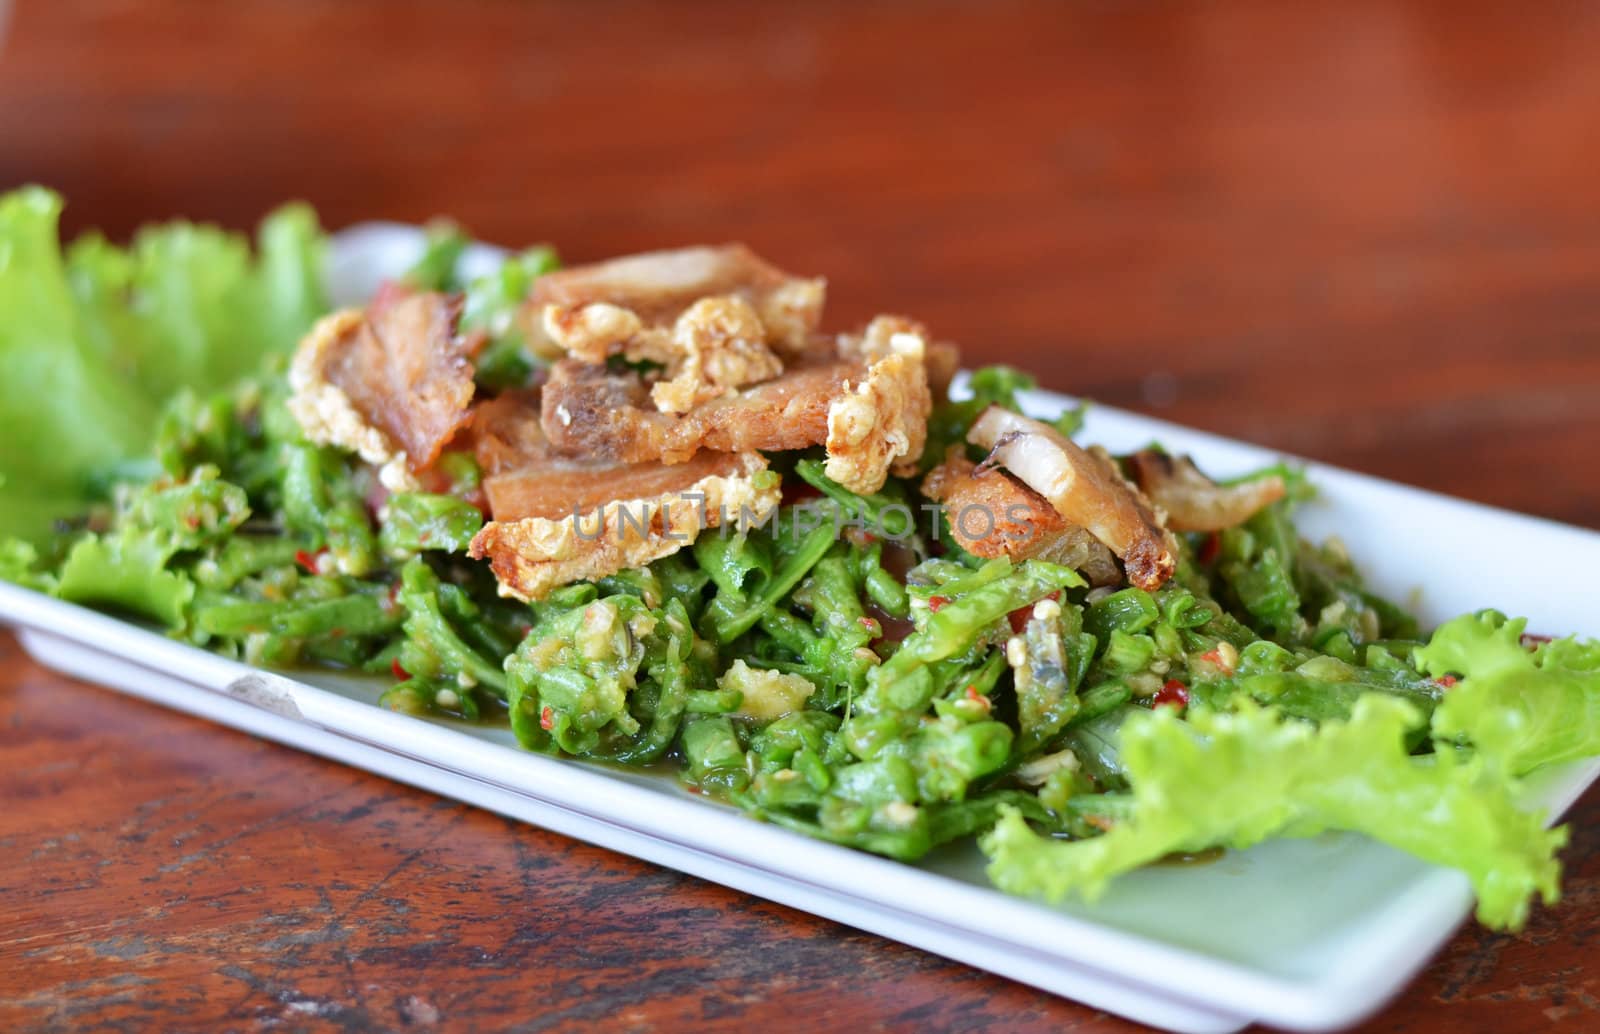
<point>1367,232</point>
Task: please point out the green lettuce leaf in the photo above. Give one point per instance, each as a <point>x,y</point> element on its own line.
<point>63,412</point>
<point>127,571</point>
<point>127,566</point>
<point>1235,779</point>
<point>94,341</point>
<point>1518,708</point>
<point>19,563</point>
<point>187,306</point>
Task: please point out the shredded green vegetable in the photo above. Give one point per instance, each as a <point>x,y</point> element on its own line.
<point>887,692</point>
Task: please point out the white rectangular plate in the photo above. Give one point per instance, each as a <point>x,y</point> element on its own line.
<point>1305,934</point>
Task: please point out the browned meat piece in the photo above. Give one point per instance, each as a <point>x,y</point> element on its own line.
<point>716,345</point>
<point>506,434</point>
<point>1194,502</point>
<point>564,521</point>
<point>562,487</point>
<point>1085,489</point>
<point>523,477</point>
<point>394,384</point>
<point>560,519</point>
<point>632,294</point>
<point>719,346</point>
<point>868,407</point>
<point>993,514</point>
<point>591,411</point>
<point>881,424</point>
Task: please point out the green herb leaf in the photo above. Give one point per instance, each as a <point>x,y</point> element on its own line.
<point>1233,780</point>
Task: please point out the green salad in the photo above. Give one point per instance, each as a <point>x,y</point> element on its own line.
<point>928,617</point>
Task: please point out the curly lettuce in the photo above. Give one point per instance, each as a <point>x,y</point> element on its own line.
<point>1519,708</point>
<point>1234,779</point>
<point>96,338</point>
<point>127,568</point>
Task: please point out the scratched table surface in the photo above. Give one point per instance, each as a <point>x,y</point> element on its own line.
<point>1366,232</point>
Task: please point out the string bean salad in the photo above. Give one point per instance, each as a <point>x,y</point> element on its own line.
<point>863,608</point>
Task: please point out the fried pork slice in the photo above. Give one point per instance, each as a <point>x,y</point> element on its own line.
<point>586,521</point>
<point>1085,488</point>
<point>506,434</point>
<point>882,423</point>
<point>557,519</point>
<point>719,346</point>
<point>993,514</point>
<point>868,405</point>
<point>1192,501</point>
<point>393,384</point>
<point>715,346</point>
<point>593,411</point>
<point>609,308</point>
<point>326,414</point>
<point>523,477</point>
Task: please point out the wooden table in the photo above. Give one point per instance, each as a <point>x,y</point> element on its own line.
<point>1365,232</point>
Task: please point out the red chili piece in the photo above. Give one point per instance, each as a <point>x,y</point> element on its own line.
<point>935,602</point>
<point>1019,617</point>
<point>399,672</point>
<point>547,719</point>
<point>1174,692</point>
